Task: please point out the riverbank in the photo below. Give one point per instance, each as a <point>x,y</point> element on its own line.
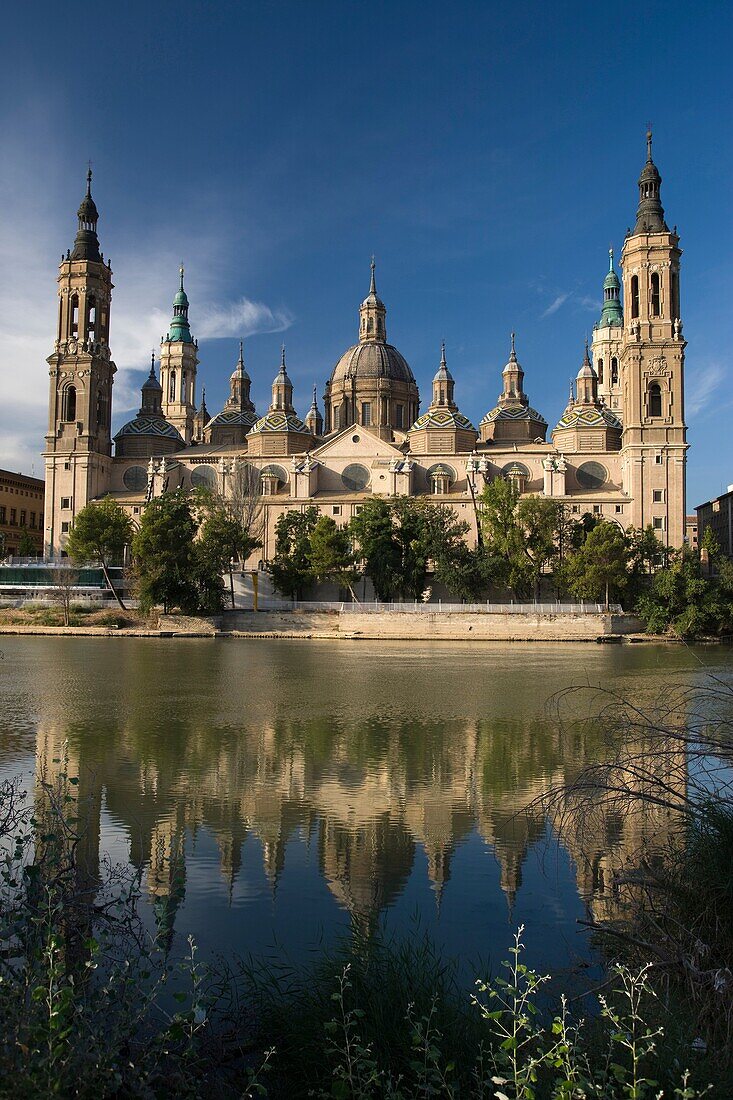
<point>423,625</point>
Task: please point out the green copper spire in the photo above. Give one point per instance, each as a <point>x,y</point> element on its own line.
<point>180,329</point>
<point>611,314</point>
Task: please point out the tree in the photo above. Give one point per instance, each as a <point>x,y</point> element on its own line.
<point>683,600</point>
<point>223,538</point>
<point>600,566</point>
<point>164,557</point>
<point>64,579</point>
<point>372,530</point>
<point>538,519</point>
<point>331,556</point>
<point>26,544</point>
<point>246,505</point>
<point>521,533</point>
<point>101,531</point>
<point>290,567</point>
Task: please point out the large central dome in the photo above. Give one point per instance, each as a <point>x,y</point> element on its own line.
<point>372,360</point>
<point>372,384</point>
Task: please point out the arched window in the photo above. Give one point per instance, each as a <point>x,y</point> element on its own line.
<point>75,315</point>
<point>172,387</point>
<point>675,284</point>
<point>634,295</point>
<point>370,325</point>
<point>655,400</point>
<point>101,409</point>
<point>599,371</point>
<point>92,319</point>
<point>614,371</point>
<point>183,387</point>
<point>68,407</point>
<point>655,294</point>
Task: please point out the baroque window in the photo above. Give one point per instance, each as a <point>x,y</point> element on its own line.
<point>655,294</point>
<point>634,295</point>
<point>655,399</point>
<point>68,404</point>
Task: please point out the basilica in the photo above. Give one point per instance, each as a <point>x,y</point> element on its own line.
<point>618,450</point>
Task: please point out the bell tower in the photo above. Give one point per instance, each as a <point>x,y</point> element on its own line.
<point>178,362</point>
<point>78,455</point>
<point>652,367</point>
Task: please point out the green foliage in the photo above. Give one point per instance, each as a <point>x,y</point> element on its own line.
<point>163,552</point>
<point>600,567</point>
<point>683,601</point>
<point>26,544</point>
<point>401,541</point>
<point>521,534</point>
<point>330,555</point>
<point>100,532</point>
<point>290,568</point>
<point>372,530</point>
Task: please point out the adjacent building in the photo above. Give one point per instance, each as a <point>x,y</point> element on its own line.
<point>21,510</point>
<point>618,450</point>
<point>718,515</point>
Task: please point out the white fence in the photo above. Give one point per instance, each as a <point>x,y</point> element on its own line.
<point>536,608</point>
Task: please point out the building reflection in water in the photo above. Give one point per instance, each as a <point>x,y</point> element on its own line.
<point>238,759</point>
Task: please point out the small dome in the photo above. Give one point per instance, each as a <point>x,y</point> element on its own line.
<point>154,426</point>
<point>277,420</point>
<point>584,417</point>
<point>237,418</point>
<point>513,412</point>
<point>442,418</point>
<point>372,359</point>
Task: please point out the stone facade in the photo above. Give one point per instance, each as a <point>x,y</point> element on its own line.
<point>618,451</point>
<point>21,508</point>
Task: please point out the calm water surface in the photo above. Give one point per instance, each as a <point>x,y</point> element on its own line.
<point>277,793</point>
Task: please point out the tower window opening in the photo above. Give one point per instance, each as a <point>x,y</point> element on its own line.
<point>172,387</point>
<point>675,286</point>
<point>370,325</point>
<point>614,371</point>
<point>600,371</point>
<point>68,411</point>
<point>634,295</point>
<point>366,413</point>
<point>655,294</point>
<point>655,400</point>
<point>75,315</point>
<point>399,416</point>
<point>91,319</point>
<point>183,387</point>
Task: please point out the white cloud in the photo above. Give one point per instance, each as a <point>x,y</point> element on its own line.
<point>242,318</point>
<point>555,305</point>
<point>701,385</point>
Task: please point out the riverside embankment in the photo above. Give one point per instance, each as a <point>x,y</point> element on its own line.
<point>403,625</point>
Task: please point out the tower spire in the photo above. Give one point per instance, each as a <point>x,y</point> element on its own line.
<point>611,313</point>
<point>372,314</point>
<point>86,242</point>
<point>650,213</point>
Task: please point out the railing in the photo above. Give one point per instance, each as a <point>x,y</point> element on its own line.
<point>371,608</point>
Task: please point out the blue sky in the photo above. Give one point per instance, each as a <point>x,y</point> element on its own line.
<point>486,153</point>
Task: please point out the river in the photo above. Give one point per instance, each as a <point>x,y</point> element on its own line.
<point>278,793</point>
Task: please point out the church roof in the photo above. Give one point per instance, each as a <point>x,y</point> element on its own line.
<point>516,411</point>
<point>584,416</point>
<point>442,418</point>
<point>238,418</point>
<point>155,426</point>
<point>372,359</point>
<point>277,420</point>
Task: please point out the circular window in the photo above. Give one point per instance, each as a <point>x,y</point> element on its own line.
<point>278,472</point>
<point>591,475</point>
<point>204,477</point>
<point>355,438</point>
<point>355,477</point>
<point>135,478</point>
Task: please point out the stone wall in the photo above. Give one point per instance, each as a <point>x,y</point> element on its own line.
<point>425,625</point>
